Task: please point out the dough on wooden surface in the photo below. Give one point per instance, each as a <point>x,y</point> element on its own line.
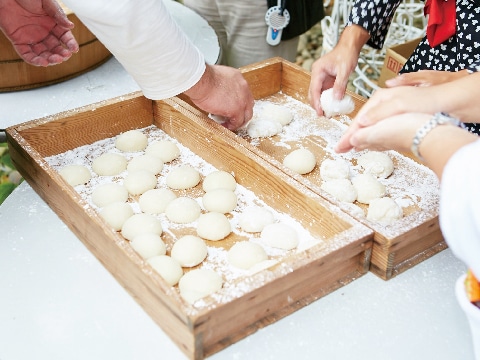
<point>332,107</point>
<point>189,250</point>
<point>140,224</point>
<point>280,235</point>
<point>155,201</point>
<point>368,188</point>
<point>139,181</point>
<point>331,169</point>
<point>213,226</point>
<point>255,218</point>
<point>75,174</point>
<point>183,177</point>
<point>166,150</point>
<point>261,128</point>
<point>246,254</point>
<point>301,161</point>
<point>109,164</point>
<point>146,162</point>
<point>340,189</point>
<point>116,213</point>
<point>220,200</point>
<point>183,210</point>
<point>219,180</point>
<point>148,245</point>
<point>198,283</point>
<point>131,141</point>
<point>384,210</point>
<point>278,113</point>
<point>168,268</point>
<point>105,194</point>
<point>377,163</point>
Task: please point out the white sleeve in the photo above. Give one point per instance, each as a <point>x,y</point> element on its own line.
<point>460,205</point>
<point>145,39</point>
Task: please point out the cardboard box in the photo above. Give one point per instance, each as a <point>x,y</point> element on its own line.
<point>395,58</point>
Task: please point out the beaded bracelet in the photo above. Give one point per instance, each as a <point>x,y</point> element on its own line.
<point>439,118</point>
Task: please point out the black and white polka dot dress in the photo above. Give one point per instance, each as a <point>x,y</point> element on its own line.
<point>460,52</point>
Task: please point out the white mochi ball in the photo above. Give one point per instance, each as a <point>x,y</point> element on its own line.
<point>354,210</point>
<point>146,162</point>
<point>377,163</point>
<point>75,174</point>
<point>332,107</point>
<point>384,210</point>
<point>198,283</point>
<point>131,141</point>
<point>109,164</point>
<point>116,213</point>
<point>183,210</point>
<point>168,268</point>
<point>278,113</point>
<point>140,224</point>
<point>189,250</point>
<point>220,200</point>
<point>166,150</point>
<point>105,194</point>
<point>340,189</point>
<point>334,169</point>
<point>148,245</point>
<point>139,181</point>
<point>213,226</point>
<point>301,161</point>
<point>280,235</point>
<point>368,188</point>
<point>183,177</point>
<point>246,254</point>
<point>155,201</point>
<point>255,218</point>
<point>219,180</point>
<point>260,128</point>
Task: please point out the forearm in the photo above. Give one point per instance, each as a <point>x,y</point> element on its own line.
<point>353,38</point>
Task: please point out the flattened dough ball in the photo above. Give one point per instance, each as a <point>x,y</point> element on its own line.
<point>168,268</point>
<point>377,163</point>
<point>183,177</point>
<point>183,210</point>
<point>278,113</point>
<point>213,226</point>
<point>75,174</point>
<point>131,141</point>
<point>334,169</point>
<point>166,150</point>
<point>105,194</point>
<point>255,218</point>
<point>280,235</point>
<point>368,188</point>
<point>340,189</point>
<point>189,250</point>
<point>139,181</point>
<point>220,200</point>
<point>109,164</point>
<point>140,224</point>
<point>332,107</point>
<point>384,210</point>
<point>219,180</point>
<point>301,161</point>
<point>246,254</point>
<point>148,245</point>
<point>198,283</point>
<point>260,128</point>
<point>155,201</point>
<point>116,213</point>
<point>146,162</point>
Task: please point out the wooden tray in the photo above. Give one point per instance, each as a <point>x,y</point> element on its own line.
<point>18,75</point>
<point>227,316</point>
<point>396,248</point>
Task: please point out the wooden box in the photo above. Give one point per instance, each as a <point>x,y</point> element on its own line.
<point>248,303</point>
<point>397,247</point>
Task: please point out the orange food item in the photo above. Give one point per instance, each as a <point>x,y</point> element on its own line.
<point>472,287</point>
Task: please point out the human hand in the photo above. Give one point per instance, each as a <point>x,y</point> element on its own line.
<point>425,78</point>
<point>39,31</point>
<point>223,91</point>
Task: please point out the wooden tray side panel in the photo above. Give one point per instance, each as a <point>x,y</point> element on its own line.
<point>264,78</point>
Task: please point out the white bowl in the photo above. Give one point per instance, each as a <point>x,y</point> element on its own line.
<point>471,311</point>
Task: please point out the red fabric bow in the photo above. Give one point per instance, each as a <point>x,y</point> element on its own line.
<point>441,20</point>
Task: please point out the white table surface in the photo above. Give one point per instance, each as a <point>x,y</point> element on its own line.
<point>58,302</point>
